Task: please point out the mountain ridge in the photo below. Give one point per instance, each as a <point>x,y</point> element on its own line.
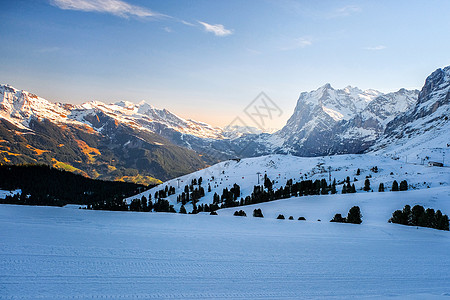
<point>325,121</point>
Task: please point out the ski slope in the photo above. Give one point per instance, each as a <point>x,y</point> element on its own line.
<point>66,253</point>
<point>280,168</point>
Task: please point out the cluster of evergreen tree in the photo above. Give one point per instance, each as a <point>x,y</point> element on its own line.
<point>346,187</point>
<point>141,204</point>
<point>281,217</point>
<point>240,213</point>
<point>257,213</point>
<point>418,216</point>
<point>354,216</point>
<point>204,208</point>
<point>36,199</point>
<point>163,193</point>
<point>228,197</point>
<point>114,205</point>
<point>192,192</point>
<point>163,205</point>
<point>403,186</point>
<point>266,193</point>
<point>44,185</point>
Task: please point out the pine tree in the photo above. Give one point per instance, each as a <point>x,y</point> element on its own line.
<point>381,187</point>
<point>182,210</point>
<point>267,183</point>
<point>358,172</point>
<point>367,185</point>
<point>257,213</point>
<point>338,218</point>
<point>395,186</point>
<point>240,213</point>
<point>333,187</point>
<point>144,203</point>
<point>354,215</point>
<point>403,185</point>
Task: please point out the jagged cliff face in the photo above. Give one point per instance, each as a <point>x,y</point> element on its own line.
<point>329,121</point>
<point>434,96</point>
<point>424,125</point>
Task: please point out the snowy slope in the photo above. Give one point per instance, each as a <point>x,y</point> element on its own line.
<point>280,168</point>
<point>65,253</point>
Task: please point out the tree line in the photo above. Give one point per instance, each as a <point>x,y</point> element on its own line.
<point>44,185</point>
<point>419,216</point>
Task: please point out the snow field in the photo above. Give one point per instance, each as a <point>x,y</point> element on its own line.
<point>66,253</point>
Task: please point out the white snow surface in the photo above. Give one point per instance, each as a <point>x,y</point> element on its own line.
<point>280,168</point>
<point>66,253</point>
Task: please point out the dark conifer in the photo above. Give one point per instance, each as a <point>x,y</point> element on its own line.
<point>367,185</point>
<point>354,215</point>
<point>257,213</point>
<point>403,185</point>
<point>395,186</point>
<point>338,218</point>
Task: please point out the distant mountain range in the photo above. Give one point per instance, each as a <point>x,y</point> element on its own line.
<point>140,143</point>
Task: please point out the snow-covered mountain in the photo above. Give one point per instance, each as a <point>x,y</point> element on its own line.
<point>423,131</point>
<point>332,121</point>
<point>121,141</point>
<point>19,107</point>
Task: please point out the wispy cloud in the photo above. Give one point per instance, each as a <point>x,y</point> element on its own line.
<point>375,48</point>
<point>114,7</point>
<point>123,9</point>
<point>346,11</point>
<point>299,43</point>
<point>217,29</point>
<point>186,23</point>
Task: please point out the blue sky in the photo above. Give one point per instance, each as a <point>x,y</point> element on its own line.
<point>207,60</point>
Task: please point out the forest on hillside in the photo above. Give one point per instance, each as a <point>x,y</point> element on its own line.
<point>44,185</point>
